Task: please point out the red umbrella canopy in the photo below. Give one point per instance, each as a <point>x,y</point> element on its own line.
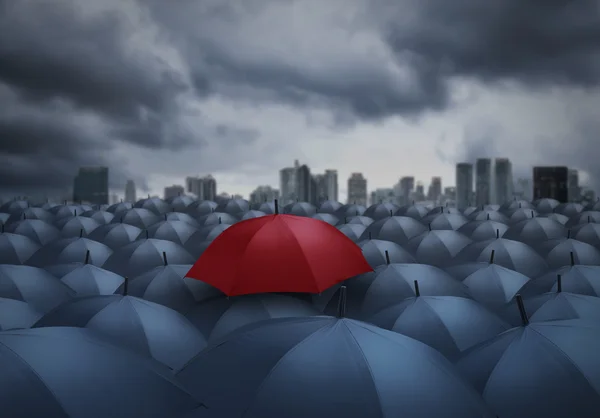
<point>279,253</point>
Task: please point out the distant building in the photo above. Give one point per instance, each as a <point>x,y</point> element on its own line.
<point>383,196</point>
<point>91,186</point>
<point>573,184</point>
<point>130,192</point>
<point>306,187</point>
<point>503,180</point>
<point>551,182</point>
<point>483,181</point>
<point>464,185</point>
<point>435,189</point>
<point>419,194</point>
<point>357,189</point>
<point>403,190</point>
<point>204,188</point>
<point>321,187</point>
<point>263,194</point>
<point>173,191</point>
<point>288,183</point>
<point>331,185</point>
<point>523,189</point>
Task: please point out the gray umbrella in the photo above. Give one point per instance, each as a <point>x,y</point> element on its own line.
<point>461,271</point>
<point>144,327</point>
<point>535,230</point>
<point>119,208</point>
<point>352,231</point>
<point>31,213</point>
<point>361,220</point>
<point>546,205</point>
<point>235,207</point>
<point>143,255</point>
<point>326,217</point>
<point>489,215</point>
<point>561,219</point>
<point>180,216</point>
<point>300,209</point>
<point>398,229</point>
<point>142,218</point>
<point>446,221</point>
<point>175,231</point>
<point>483,230</point>
<point>70,250</point>
<point>201,239</point>
<point>201,208</point>
<point>86,279</point>
<point>69,372</point>
<point>219,317</point>
<point>588,233</point>
<point>521,215</point>
<point>470,209</point>
<point>593,205</point>
<point>438,210</point>
<point>415,211</point>
<point>38,231</point>
<point>48,205</point>
<point>73,226</point>
<point>584,218</point>
<point>449,324</point>
<point>154,204</point>
<point>378,252</point>
<point>542,369</point>
<point>14,206</point>
<point>101,216</point>
<point>37,287</point>
<point>381,210</point>
<point>324,367</point>
<point>569,209</point>
<point>349,210</point>
<point>563,252</point>
<point>168,286</point>
<point>180,203</point>
<point>580,279</point>
<point>16,249</point>
<point>511,254</point>
<point>216,218</point>
<point>515,204</point>
<point>16,314</point>
<point>437,248</point>
<point>115,235</point>
<point>66,211</point>
<point>4,217</point>
<point>251,214</point>
<point>267,207</point>
<point>330,206</point>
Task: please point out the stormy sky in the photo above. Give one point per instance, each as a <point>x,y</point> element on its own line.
<point>160,90</point>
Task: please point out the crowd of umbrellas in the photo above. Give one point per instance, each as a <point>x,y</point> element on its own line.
<point>185,308</point>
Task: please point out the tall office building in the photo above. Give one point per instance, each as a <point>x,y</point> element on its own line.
<point>435,189</point>
<point>574,189</point>
<point>321,188</point>
<point>288,183</point>
<point>524,189</point>
<point>130,192</point>
<point>419,194</point>
<point>403,190</point>
<point>551,182</point>
<point>173,191</point>
<point>263,194</point>
<point>385,195</point>
<point>91,186</point>
<point>331,185</point>
<point>205,188</point>
<point>483,181</point>
<point>357,189</point>
<point>503,180</point>
<point>464,185</point>
<point>305,185</point>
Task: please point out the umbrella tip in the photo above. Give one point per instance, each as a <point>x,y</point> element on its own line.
<point>391,212</point>
<point>81,233</point>
<point>276,203</point>
<point>417,291</point>
<point>522,311</point>
<point>497,233</point>
<point>520,206</point>
<point>370,235</point>
<point>568,233</point>
<point>487,217</point>
<point>165,258</point>
<point>75,212</point>
<point>121,219</point>
<point>532,214</point>
<point>572,255</point>
<point>341,312</point>
<point>387,257</point>
<point>87,257</point>
<point>24,216</point>
<point>559,283</point>
<point>125,286</point>
<point>2,228</point>
<point>429,226</point>
<point>219,220</point>
<point>492,254</point>
<point>147,234</point>
<point>165,216</point>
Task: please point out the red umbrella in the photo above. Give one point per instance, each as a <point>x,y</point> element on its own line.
<point>279,253</point>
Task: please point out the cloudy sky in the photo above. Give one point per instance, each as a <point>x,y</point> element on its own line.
<point>160,90</point>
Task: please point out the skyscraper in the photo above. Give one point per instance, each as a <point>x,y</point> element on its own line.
<point>574,189</point>
<point>91,186</point>
<point>435,189</point>
<point>331,185</point>
<point>385,195</point>
<point>209,188</point>
<point>503,180</point>
<point>464,185</point>
<point>305,185</point>
<point>403,190</point>
<point>483,181</point>
<point>130,192</point>
<point>321,188</point>
<point>263,194</point>
<point>551,182</point>
<point>357,189</point>
<point>173,191</point>
<point>287,183</point>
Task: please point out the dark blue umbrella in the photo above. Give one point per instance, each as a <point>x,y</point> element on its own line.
<point>580,279</point>
<point>115,235</point>
<point>584,218</point>
<point>483,230</point>
<point>144,327</point>
<point>201,208</point>
<point>69,372</point>
<point>37,287</point>
<point>31,213</point>
<point>142,218</point>
<point>361,220</point>
<point>119,208</point>
<point>300,209</point>
<point>326,217</point>
<point>329,206</point>
<point>521,215</point>
<point>381,210</point>
<point>70,250</point>
<point>438,210</point>
<point>168,286</point>
<point>323,367</point>
<point>73,226</point>
<point>398,229</point>
<point>219,317</point>
<point>86,279</point>
<point>251,214</point>
<point>546,205</point>
<point>16,314</point>
<point>16,249</point>
<point>563,252</point>
<point>561,219</point>
<point>175,231</point>
<point>180,216</point>
<point>201,239</point>
<point>352,231</point>
<point>488,215</point>
<point>4,217</point>
<point>101,216</point>
<point>535,230</point>
<point>66,211</point>
<point>235,207</point>
<point>14,206</point>
<point>38,231</point>
<point>216,218</point>
<point>511,206</point>
<point>449,324</point>
<point>437,248</point>
<point>541,369</point>
<point>511,254</point>
<point>569,209</point>
<point>349,210</point>
<point>48,205</point>
<point>588,233</point>
<point>415,211</point>
<point>267,207</point>
<point>461,271</point>
<point>378,252</point>
<point>446,221</point>
<point>180,203</point>
<point>470,209</point>
<point>143,255</point>
<point>154,204</point>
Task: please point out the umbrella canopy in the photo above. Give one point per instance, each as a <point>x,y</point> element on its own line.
<point>447,221</point>
<point>437,248</point>
<point>200,240</point>
<point>41,290</point>
<point>378,252</point>
<point>180,216</point>
<point>101,216</point>
<point>361,220</point>
<point>381,210</point>
<point>584,218</point>
<point>352,231</point>
<point>144,327</point>
<point>563,252</point>
<point>119,208</point>
<point>139,217</point>
<point>326,217</point>
<point>307,367</point>
<point>542,369</point>
<point>562,219</point>
<point>115,235</point>
<point>154,204</point>
<point>16,314</point>
<point>219,317</point>
<point>279,253</point>
<point>449,324</point>
<point>267,207</point>
<point>535,230</point>
<point>349,210</point>
<point>414,211</point>
<point>70,250</point>
<point>180,203</point>
<point>329,206</point>
<point>16,249</point>
<point>546,205</point>
<point>251,214</point>
<point>521,215</point>
<point>31,213</point>
<point>143,255</point>
<point>175,231</point>
<point>511,254</point>
<point>300,209</point>
<point>483,230</point>
<point>86,279</point>
<point>69,372</point>
<point>442,209</point>
<point>398,229</point>
<point>66,211</point>
<point>569,209</point>
<point>75,226</point>
<point>489,215</point>
<point>201,208</point>
<point>515,204</point>
<point>168,286</point>
<point>217,218</point>
<point>14,206</point>
<point>580,279</point>
<point>588,233</point>
<point>235,207</point>
<point>38,231</point>
<point>470,209</point>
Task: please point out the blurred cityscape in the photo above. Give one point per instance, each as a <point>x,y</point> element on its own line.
<point>487,181</point>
